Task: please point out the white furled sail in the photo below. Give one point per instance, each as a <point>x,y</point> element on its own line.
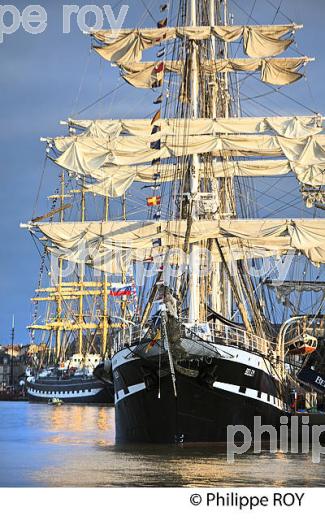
<point>99,150</point>
<point>278,236</point>
<point>276,71</point>
<point>127,45</point>
<point>87,154</point>
<point>293,126</point>
<point>114,181</point>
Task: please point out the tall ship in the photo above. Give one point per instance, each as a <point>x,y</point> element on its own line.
<point>72,381</point>
<point>228,198</point>
<point>70,321</point>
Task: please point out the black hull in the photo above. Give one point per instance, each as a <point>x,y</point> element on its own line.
<point>89,391</point>
<point>199,413</point>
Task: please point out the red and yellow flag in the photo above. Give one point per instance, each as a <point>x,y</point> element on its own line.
<point>153,201</point>
<point>154,340</point>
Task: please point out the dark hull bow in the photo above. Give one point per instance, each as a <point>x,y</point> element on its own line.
<point>147,409</point>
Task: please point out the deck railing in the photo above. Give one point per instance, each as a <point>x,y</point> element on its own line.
<point>217,333</point>
<point>231,335</point>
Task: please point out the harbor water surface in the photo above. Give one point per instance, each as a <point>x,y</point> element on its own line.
<point>73,445</point>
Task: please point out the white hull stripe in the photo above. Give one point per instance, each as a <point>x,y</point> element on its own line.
<point>131,390</point>
<point>251,360</point>
<point>253,394</point>
<point>234,389</point>
<point>62,395</point>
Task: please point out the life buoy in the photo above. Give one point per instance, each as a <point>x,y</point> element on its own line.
<point>303,351</point>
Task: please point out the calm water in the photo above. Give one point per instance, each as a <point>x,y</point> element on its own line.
<point>72,445</point>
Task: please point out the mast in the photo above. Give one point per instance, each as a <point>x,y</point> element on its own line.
<point>64,291</point>
<point>81,282</point>
<point>105,318</point>
<point>221,293</point>
<point>124,298</point>
<point>12,351</point>
<point>226,282</point>
<point>105,296</point>
<point>225,21</point>
<point>227,183</point>
<point>216,186</point>
<point>194,303</point>
<point>212,17</point>
<point>59,287</point>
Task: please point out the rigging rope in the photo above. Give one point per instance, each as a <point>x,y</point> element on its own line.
<point>99,99</point>
<point>148,11</point>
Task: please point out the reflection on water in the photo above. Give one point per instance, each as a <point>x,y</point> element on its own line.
<point>73,445</point>
<point>75,424</point>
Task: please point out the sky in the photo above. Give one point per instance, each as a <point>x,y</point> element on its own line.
<point>51,76</point>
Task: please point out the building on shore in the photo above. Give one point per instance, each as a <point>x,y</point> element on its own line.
<point>13,362</point>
